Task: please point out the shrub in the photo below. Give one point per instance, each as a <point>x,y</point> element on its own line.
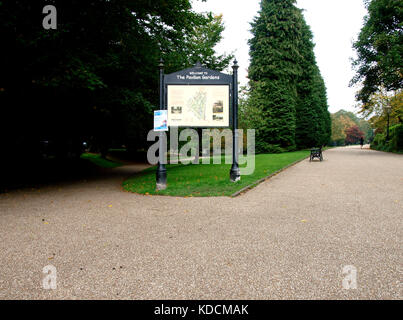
<point>264,147</point>
<point>395,143</point>
<point>399,136</point>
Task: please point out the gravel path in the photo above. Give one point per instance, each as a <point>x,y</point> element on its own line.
<point>289,238</point>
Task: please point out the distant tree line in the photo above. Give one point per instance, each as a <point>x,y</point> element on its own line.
<point>286,99</point>
<point>347,128</point>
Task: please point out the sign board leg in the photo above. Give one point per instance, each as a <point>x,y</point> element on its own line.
<point>161,174</point>
<point>235,174</point>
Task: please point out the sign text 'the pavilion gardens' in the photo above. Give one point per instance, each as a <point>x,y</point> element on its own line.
<point>198,97</point>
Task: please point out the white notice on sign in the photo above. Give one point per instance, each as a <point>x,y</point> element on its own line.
<point>198,105</point>
<point>160,120</point>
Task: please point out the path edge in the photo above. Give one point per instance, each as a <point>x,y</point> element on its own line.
<point>256,183</point>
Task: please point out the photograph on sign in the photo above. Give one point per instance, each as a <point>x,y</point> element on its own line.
<point>160,120</point>
<point>198,105</point>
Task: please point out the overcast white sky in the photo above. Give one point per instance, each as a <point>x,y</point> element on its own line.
<point>334,23</point>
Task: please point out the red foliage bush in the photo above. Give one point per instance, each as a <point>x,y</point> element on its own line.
<point>353,135</point>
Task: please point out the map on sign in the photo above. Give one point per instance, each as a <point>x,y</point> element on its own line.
<point>198,105</point>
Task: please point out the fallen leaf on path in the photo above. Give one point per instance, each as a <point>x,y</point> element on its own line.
<point>110,206</point>
<point>303,220</point>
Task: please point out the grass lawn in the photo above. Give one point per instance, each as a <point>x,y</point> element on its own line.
<point>209,179</point>
<point>99,161</point>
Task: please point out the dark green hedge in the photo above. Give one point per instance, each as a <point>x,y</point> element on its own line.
<point>395,143</point>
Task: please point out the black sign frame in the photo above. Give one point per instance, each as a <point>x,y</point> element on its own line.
<point>198,75</point>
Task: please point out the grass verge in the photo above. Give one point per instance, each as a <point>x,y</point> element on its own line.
<point>99,161</point>
<point>205,180</point>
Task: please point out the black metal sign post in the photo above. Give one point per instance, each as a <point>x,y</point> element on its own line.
<point>199,75</point>
<point>161,169</point>
<point>235,174</point>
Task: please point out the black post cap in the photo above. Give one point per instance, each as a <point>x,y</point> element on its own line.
<point>235,65</point>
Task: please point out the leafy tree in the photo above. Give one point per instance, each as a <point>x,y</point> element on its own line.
<point>198,45</point>
<point>353,135</point>
<point>366,128</point>
<point>343,120</point>
<point>340,123</point>
<point>379,48</point>
<point>397,107</point>
<point>250,116</point>
<point>95,77</point>
<point>385,109</point>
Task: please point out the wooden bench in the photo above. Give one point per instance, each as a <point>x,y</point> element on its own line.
<point>316,153</point>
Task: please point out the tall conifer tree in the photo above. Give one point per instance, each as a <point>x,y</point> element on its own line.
<point>325,130</point>
<point>285,81</point>
<point>313,124</point>
<point>273,72</point>
<point>307,107</point>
